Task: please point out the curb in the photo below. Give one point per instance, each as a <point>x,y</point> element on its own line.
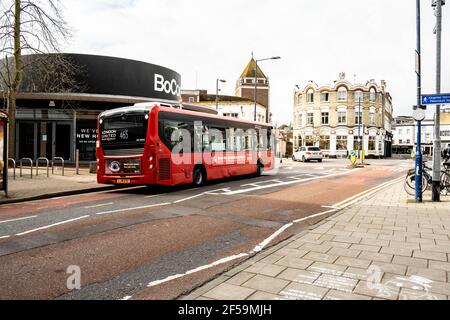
<point>60,194</point>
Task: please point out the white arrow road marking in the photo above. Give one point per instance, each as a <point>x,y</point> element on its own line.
<point>52,225</point>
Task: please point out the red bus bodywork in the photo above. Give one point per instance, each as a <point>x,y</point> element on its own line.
<point>157,165</point>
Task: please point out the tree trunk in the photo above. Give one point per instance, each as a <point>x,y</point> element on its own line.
<point>11,109</point>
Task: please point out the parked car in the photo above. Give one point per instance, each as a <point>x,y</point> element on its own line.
<point>306,154</point>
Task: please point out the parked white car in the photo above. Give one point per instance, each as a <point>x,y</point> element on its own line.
<point>306,154</point>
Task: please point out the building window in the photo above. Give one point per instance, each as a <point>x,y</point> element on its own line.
<point>359,96</point>
<point>400,131</point>
<point>300,119</point>
<point>310,96</point>
<point>408,131</point>
<point>372,119</point>
<point>324,142</point>
<point>341,143</point>
<point>358,117</point>
<point>342,117</point>
<point>309,141</point>
<point>236,115</point>
<point>373,95</point>
<point>342,94</point>
<point>325,117</point>
<point>310,120</point>
<point>299,98</point>
<point>191,99</point>
<point>372,143</point>
<point>325,97</point>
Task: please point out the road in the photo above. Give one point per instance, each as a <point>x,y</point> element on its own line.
<point>147,243</point>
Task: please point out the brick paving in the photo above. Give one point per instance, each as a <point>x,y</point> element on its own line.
<point>384,247</point>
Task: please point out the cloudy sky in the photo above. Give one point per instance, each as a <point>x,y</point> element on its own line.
<point>208,39</point>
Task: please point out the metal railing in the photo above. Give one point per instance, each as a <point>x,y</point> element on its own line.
<point>31,166</point>
<point>37,166</point>
<point>53,164</point>
<point>14,167</point>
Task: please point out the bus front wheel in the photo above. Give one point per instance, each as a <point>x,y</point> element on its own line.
<point>199,177</point>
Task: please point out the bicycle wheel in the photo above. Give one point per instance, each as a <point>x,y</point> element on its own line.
<point>445,182</point>
<point>410,184</point>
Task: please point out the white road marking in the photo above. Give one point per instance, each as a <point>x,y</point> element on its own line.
<point>263,244</point>
<point>19,219</point>
<point>229,193</point>
<point>152,196</point>
<point>134,208</point>
<point>315,215</point>
<point>99,205</point>
<point>4,237</point>
<point>52,225</point>
<point>214,264</point>
<point>126,298</point>
<point>189,198</point>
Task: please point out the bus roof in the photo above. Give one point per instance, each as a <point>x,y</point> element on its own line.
<point>147,106</point>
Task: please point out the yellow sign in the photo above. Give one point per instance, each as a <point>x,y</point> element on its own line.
<point>354,157</point>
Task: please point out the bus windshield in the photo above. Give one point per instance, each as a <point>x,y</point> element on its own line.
<point>124,129</point>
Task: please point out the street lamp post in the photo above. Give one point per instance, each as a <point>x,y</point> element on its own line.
<point>217,92</point>
<point>419,173</point>
<point>436,192</point>
<point>256,79</point>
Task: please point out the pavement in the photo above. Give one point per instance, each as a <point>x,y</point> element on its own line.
<point>26,188</point>
<point>380,246</point>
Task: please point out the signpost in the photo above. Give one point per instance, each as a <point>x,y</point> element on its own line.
<point>4,152</point>
<point>436,99</point>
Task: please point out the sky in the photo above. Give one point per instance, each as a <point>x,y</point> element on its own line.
<point>317,39</point>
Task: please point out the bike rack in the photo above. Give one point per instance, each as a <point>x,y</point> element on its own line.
<point>14,167</point>
<point>31,166</point>
<point>62,164</point>
<point>37,166</point>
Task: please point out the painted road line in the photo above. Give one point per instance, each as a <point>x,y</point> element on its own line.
<point>52,225</point>
<point>263,244</point>
<point>214,264</point>
<point>367,193</point>
<point>230,193</point>
<point>189,198</point>
<point>134,208</point>
<point>153,196</point>
<point>18,219</point>
<point>315,215</point>
<point>99,205</point>
<point>126,298</point>
<point>5,237</point>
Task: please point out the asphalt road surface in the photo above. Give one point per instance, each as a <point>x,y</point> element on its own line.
<point>161,243</point>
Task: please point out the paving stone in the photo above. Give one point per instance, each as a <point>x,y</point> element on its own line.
<point>227,291</point>
<point>327,268</point>
<point>404,245</point>
<point>426,247</point>
<point>410,294</point>
<point>375,242</point>
<point>266,284</point>
<point>383,257</point>
<point>439,265</point>
<point>390,267</point>
<point>335,244</point>
<point>240,278</point>
<point>433,274</point>
<point>357,273</point>
<point>322,257</point>
<point>353,262</point>
<point>271,258</point>
<point>397,251</point>
<point>439,256</point>
<point>377,290</point>
<point>260,295</point>
<point>416,262</point>
<point>344,252</point>
<point>340,295</point>
<point>293,262</point>
<point>301,291</point>
<point>291,252</point>
<point>270,270</point>
<point>300,276</point>
<point>364,247</point>
<point>336,282</point>
<point>351,240</point>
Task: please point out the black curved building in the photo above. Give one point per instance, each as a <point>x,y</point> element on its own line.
<point>57,114</point>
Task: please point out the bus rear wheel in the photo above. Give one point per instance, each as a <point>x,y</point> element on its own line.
<point>199,177</point>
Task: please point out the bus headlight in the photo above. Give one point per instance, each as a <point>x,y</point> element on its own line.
<point>150,159</point>
<point>151,166</point>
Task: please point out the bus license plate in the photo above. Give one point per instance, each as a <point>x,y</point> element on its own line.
<point>123,181</point>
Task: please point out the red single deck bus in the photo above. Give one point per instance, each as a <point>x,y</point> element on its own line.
<point>155,143</point>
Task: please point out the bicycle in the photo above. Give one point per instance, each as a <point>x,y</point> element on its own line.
<point>427,179</point>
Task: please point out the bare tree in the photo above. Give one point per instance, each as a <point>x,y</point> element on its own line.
<point>26,27</point>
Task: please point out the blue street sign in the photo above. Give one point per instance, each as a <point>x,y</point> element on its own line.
<point>436,98</point>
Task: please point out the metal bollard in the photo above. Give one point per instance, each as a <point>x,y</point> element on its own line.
<point>77,161</point>
<point>37,166</point>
